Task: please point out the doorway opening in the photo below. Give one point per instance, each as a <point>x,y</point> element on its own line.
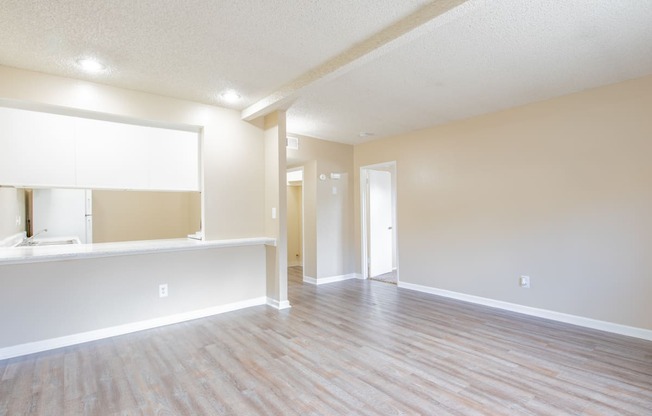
<point>295,224</point>
<point>378,219</point>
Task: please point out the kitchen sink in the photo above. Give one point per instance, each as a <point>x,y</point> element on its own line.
<point>49,242</point>
<point>56,242</point>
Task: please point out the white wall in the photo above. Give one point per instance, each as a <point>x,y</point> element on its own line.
<point>558,190</point>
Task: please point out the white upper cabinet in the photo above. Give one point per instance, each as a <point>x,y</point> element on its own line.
<point>50,150</point>
<point>173,160</point>
<point>112,155</point>
<point>36,149</point>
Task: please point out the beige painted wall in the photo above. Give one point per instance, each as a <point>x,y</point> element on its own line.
<point>132,215</point>
<point>559,190</point>
<point>310,218</point>
<point>295,243</point>
<point>12,205</point>
<point>328,217</point>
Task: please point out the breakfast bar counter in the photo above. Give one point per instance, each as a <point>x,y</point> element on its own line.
<point>35,254</point>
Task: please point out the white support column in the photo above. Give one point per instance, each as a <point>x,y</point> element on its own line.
<point>276,209</point>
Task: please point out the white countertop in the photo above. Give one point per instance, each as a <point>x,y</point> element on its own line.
<point>18,255</point>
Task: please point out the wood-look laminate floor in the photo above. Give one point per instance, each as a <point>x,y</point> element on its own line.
<point>346,348</point>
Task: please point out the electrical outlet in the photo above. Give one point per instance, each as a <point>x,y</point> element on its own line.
<point>163,291</point>
<point>19,220</point>
<point>524,281</point>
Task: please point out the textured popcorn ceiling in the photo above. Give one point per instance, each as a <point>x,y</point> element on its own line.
<point>193,49</point>
<point>499,55</point>
<point>341,67</point>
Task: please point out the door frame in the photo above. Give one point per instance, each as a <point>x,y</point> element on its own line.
<point>303,228</point>
<point>364,215</point>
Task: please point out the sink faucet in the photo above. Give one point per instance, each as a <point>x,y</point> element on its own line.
<point>29,240</point>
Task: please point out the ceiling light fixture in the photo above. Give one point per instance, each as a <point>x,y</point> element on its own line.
<point>91,65</point>
<point>365,134</point>
<point>230,96</point>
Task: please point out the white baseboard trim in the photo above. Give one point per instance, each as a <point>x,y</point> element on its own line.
<point>68,340</point>
<point>285,304</point>
<point>541,313</point>
<point>330,279</point>
<point>308,279</point>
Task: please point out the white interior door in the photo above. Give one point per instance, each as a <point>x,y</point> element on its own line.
<point>380,223</point>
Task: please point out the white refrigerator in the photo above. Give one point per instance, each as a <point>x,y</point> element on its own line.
<point>64,213</point>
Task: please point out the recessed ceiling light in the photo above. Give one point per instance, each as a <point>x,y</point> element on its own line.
<point>91,65</point>
<point>230,96</point>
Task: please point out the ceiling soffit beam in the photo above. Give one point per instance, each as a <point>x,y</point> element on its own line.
<point>405,30</point>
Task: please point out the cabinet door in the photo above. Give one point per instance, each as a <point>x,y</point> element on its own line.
<point>173,160</point>
<point>36,149</point>
<point>112,155</point>
<point>8,151</point>
<point>51,150</point>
